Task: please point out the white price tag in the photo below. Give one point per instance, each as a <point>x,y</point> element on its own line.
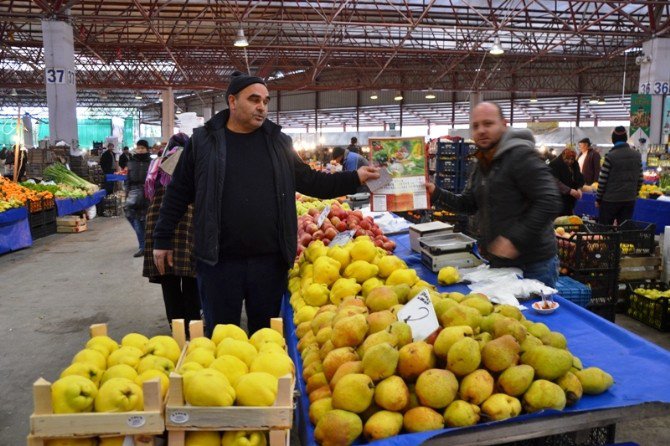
<point>136,421</point>
<point>342,238</point>
<point>420,315</point>
<point>323,216</point>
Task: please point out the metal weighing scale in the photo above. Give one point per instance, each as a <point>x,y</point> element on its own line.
<point>455,249</point>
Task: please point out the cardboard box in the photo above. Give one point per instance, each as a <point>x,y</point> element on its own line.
<point>71,220</point>
<point>71,229</point>
<point>423,229</point>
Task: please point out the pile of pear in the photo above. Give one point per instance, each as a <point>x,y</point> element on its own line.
<point>107,376</point>
<point>192,438</point>
<point>365,374</point>
<point>232,369</point>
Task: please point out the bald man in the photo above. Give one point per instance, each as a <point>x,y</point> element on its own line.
<point>513,195</point>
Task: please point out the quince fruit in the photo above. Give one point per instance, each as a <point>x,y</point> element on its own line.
<point>90,371</point>
<point>243,438</point>
<point>448,275</point>
<point>119,395</point>
<point>256,389</point>
<point>208,387</point>
<point>326,270</point>
<point>164,346</point>
<point>136,340</point>
<point>73,394</point>
<point>223,331</point>
<point>90,356</point>
<point>119,371</point>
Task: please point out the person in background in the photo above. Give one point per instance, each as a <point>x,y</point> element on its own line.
<point>178,283</point>
<point>136,204</point>
<point>354,147</point>
<point>620,180</point>
<point>108,166</point>
<point>241,172</point>
<point>589,161</point>
<point>568,179</point>
<point>513,194</point>
<point>350,161</point>
<point>124,157</point>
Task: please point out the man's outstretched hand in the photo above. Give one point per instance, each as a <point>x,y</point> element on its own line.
<point>366,173</point>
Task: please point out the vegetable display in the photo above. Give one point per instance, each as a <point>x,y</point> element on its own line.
<point>61,175</point>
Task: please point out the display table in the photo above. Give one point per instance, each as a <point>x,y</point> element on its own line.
<point>115,177</point>
<point>650,211</point>
<point>594,340</point>
<point>70,206</point>
<point>14,230</point>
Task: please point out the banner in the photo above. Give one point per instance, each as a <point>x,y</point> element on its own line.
<point>640,115</point>
<point>665,137</point>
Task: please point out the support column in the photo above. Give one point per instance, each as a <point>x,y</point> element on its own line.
<point>167,116</point>
<point>453,110</point>
<point>207,111</point>
<point>316,112</point>
<point>578,118</point>
<point>402,102</point>
<point>60,79</point>
<point>475,98</point>
<point>278,106</point>
<point>511,109</point>
<point>654,79</point>
<point>358,110</point>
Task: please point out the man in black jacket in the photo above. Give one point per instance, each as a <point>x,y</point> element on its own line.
<point>107,166</point>
<point>241,173</point>
<point>619,181</point>
<point>513,195</point>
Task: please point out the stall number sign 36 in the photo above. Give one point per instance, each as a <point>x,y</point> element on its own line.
<point>654,88</point>
<point>59,76</point>
<point>419,314</point>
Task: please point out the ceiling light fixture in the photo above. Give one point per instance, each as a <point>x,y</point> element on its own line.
<point>13,92</point>
<point>138,96</point>
<point>374,96</point>
<point>398,96</point>
<point>593,100</point>
<point>533,97</point>
<point>241,40</point>
<point>430,94</point>
<point>496,49</point>
<point>601,100</point>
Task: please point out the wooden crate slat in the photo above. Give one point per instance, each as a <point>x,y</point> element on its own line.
<point>94,424</point>
<point>627,262</point>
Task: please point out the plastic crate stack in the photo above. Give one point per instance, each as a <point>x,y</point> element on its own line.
<point>652,309</point>
<point>453,164</point>
<point>590,254</point>
<point>42,223</point>
<point>575,292</point>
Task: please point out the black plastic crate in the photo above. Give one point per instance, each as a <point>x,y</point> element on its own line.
<point>446,181</point>
<point>43,231</point>
<point>589,249</point>
<point>446,165</point>
<point>597,436</point>
<point>654,312</point>
<point>49,216</point>
<point>603,283</point>
<point>447,148</point>
<point>603,307</point>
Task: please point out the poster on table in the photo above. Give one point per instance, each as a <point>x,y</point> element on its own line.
<point>405,160</point>
<point>640,116</point>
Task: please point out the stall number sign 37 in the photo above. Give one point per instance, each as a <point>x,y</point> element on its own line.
<point>59,76</point>
<point>654,88</point>
<point>419,314</point>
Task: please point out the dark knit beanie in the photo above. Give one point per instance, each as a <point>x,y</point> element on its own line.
<point>239,81</point>
<point>619,134</point>
<point>142,142</point>
<point>586,141</point>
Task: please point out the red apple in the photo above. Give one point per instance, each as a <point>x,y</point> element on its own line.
<point>341,226</point>
<point>314,212</point>
<point>365,224</point>
<point>360,232</point>
<point>318,235</point>
<point>311,228</point>
<point>431,338</point>
<point>326,241</point>
<point>379,243</point>
<point>358,214</point>
<point>389,246</point>
<point>330,233</point>
<point>304,239</point>
<point>335,221</point>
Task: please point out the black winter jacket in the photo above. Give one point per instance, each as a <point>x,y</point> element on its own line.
<point>568,177</point>
<point>621,175</point>
<point>199,179</point>
<point>517,199</point>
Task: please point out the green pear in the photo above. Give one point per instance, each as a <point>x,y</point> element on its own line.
<point>555,339</point>
<point>482,339</point>
<point>324,335</point>
<point>500,406</point>
<point>500,353</point>
<point>380,320</point>
<point>594,380</point>
<point>572,387</point>
<point>549,362</point>
<point>476,387</point>
<point>353,392</point>
<point>461,413</point>
<point>414,359</point>
<point>448,337</point>
<point>380,337</point>
<point>464,357</point>
<point>482,305</point>
<point>461,315</point>
<point>338,427</point>
<point>509,311</point>
<point>380,361</point>
<point>402,331</point>
<point>436,388</point>
<point>392,394</point>
<point>345,369</point>
<point>530,342</point>
<point>543,394</point>
<point>321,320</point>
<point>383,424</point>
<point>538,329</point>
<point>420,419</point>
<point>576,364</point>
<point>402,291</point>
<point>350,331</point>
<point>515,380</point>
<point>509,326</point>
<point>319,408</point>
<point>381,298</point>
<point>487,322</point>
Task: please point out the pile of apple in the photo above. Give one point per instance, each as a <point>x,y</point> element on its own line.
<point>304,203</point>
<point>339,219</point>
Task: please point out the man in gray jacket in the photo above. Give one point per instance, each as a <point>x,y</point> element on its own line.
<point>513,195</point>
<point>619,181</point>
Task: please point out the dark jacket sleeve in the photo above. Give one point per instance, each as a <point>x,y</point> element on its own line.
<point>322,185</point>
<point>178,195</point>
<point>542,197</point>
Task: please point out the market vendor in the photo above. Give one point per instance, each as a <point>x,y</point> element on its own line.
<point>513,195</point>
<point>242,172</point>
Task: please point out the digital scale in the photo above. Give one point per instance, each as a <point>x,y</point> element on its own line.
<point>448,249</point>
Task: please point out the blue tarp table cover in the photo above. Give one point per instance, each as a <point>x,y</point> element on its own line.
<point>115,177</point>
<point>650,211</point>
<point>14,230</point>
<point>68,206</point>
<point>640,368</point>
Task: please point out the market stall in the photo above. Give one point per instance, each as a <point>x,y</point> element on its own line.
<point>70,206</point>
<point>14,230</point>
<point>650,211</point>
<point>596,341</point>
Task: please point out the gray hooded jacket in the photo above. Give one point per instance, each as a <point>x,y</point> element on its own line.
<point>517,199</point>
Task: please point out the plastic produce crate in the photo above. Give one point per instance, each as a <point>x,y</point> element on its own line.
<point>447,148</point>
<point>591,249</point>
<point>574,291</point>
<point>602,283</point>
<point>652,312</point>
<point>636,238</point>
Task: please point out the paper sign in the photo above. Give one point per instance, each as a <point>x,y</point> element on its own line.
<point>420,315</point>
<point>323,216</point>
<point>383,180</point>
<point>342,238</point>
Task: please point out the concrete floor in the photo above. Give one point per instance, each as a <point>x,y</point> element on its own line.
<point>53,291</point>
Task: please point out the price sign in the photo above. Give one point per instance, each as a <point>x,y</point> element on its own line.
<point>342,238</point>
<point>59,76</point>
<point>323,215</point>
<point>420,315</point>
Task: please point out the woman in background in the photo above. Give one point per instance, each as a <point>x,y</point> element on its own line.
<point>569,179</point>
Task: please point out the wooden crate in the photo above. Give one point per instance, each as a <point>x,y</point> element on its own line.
<point>137,440</point>
<point>640,268</point>
<point>180,417</point>
<point>44,424</point>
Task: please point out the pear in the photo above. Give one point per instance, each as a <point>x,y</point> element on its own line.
<point>406,276</point>
<point>342,288</point>
<point>487,322</point>
<point>414,359</point>
<point>350,331</point>
<point>576,364</point>
<point>455,295</point>
<point>500,407</point>
<point>448,337</point>
<point>482,339</point>
<point>335,358</point>
<point>326,348</point>
<point>515,380</point>
<point>392,394</point>
<point>360,270</point>
<point>383,424</point>
<point>509,311</point>
<point>370,284</point>
<point>443,305</point>
<point>319,408</point>
<point>549,362</point>
<point>345,369</point>
<point>538,329</point>
<point>381,298</point>
<point>436,388</point>
<point>476,387</point>
<point>572,387</point>
<point>402,332</point>
<point>594,380</point>
<point>543,394</point>
<point>338,427</point>
<point>319,394</point>
<point>353,392</point>
<point>302,329</point>
<point>310,370</point>
<point>482,305</point>
<point>461,413</point>
<point>500,353</point>
<point>349,310</point>
<point>324,335</point>
<point>388,264</point>
<point>315,381</point>
<point>380,337</point>
<point>464,357</point>
<point>380,320</point>
<point>555,339</point>
<point>461,315</point>
<point>420,419</point>
<point>530,342</point>
<point>509,326</point>
<point>402,291</point>
<point>380,361</point>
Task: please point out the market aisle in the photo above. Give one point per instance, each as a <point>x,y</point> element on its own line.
<point>51,293</point>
